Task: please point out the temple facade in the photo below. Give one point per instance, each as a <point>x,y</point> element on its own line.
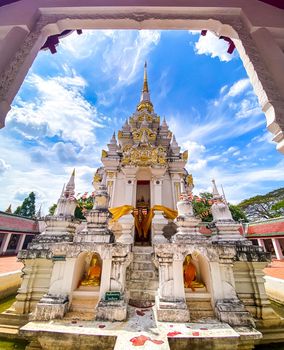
<point>142,246</point>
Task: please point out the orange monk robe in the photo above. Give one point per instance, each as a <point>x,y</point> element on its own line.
<point>189,273</point>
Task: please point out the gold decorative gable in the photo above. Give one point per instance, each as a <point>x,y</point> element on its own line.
<point>144,155</point>
<point>137,134</point>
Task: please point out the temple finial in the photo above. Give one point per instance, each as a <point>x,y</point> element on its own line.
<point>73,173</point>
<point>145,83</point>
<point>9,209</point>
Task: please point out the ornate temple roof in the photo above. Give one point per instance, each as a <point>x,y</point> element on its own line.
<point>143,139</point>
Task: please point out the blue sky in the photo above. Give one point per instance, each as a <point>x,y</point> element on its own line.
<point>71,102</point>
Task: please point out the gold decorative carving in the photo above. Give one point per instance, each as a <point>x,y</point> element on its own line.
<point>144,155</point>
<point>110,174</point>
<point>137,134</point>
<point>189,180</point>
<point>104,153</point>
<point>185,155</point>
<point>97,178</point>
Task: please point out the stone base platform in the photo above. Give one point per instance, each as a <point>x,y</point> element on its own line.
<point>141,330</point>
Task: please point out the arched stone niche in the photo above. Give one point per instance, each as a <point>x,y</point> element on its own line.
<point>261,54</point>
<point>202,271</point>
<point>83,269</point>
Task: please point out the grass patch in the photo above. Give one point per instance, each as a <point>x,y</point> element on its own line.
<point>7,344</point>
<point>6,303</point>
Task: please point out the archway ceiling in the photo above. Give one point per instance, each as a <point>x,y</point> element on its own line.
<point>276,3</point>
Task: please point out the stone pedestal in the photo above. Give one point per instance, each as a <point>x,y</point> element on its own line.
<point>158,223</point>
<point>227,231</point>
<point>97,228</point>
<point>127,223</point>
<point>111,310</point>
<point>233,312</point>
<point>51,307</point>
<point>174,310</point>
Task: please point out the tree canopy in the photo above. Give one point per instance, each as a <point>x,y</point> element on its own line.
<point>27,208</point>
<point>265,206</point>
<point>202,208</point>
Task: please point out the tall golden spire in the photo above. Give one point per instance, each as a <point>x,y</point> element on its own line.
<point>145,102</point>
<point>145,83</point>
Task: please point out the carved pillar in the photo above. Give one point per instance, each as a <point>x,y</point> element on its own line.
<point>262,66</point>
<point>36,280</point>
<point>229,309</point>
<point>171,305</point>
<point>115,310</point>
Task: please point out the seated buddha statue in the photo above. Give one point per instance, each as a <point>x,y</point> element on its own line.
<point>93,276</point>
<point>189,274</point>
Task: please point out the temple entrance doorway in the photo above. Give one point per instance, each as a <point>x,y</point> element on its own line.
<point>142,214</point>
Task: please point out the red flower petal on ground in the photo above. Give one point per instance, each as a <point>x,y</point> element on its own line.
<point>101,326</point>
<point>139,341</point>
<point>195,334</point>
<point>158,342</point>
<point>140,313</point>
<point>173,334</point>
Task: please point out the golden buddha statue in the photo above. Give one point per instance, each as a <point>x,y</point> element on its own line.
<point>189,274</point>
<point>93,277</point>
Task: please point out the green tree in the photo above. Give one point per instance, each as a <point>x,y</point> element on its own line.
<point>27,209</point>
<point>267,206</point>
<point>202,208</point>
<point>52,209</point>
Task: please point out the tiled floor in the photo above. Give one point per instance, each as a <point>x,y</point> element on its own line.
<point>9,264</point>
<point>275,269</point>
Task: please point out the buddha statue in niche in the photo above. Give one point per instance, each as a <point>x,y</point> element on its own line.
<point>189,275</point>
<point>93,276</point>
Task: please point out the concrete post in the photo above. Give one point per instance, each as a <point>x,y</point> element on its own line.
<point>277,248</point>
<point>20,243</point>
<point>261,243</point>
<point>5,243</point>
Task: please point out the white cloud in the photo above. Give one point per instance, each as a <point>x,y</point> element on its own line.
<point>211,45</point>
<point>3,166</point>
<point>239,87</point>
<point>59,109</point>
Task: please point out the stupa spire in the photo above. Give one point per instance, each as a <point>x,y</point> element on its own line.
<point>145,82</point>
<point>145,101</point>
<point>70,187</point>
<point>215,191</point>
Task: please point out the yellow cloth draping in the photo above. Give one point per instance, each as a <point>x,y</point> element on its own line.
<point>143,226</point>
<point>170,213</point>
<point>120,211</point>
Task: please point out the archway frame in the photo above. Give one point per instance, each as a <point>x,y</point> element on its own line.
<point>263,64</point>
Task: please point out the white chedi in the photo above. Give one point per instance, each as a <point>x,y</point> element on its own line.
<point>220,209</point>
<point>66,204</point>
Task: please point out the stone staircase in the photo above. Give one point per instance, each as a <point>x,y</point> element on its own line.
<point>199,306</point>
<point>85,301</point>
<point>142,278</point>
<point>10,323</point>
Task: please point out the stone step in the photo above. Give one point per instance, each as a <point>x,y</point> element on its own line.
<point>141,285</point>
<point>143,249</point>
<point>142,265</point>
<point>142,257</point>
<point>142,295</point>
<point>197,315</point>
<point>84,303</point>
<point>142,275</point>
<point>199,305</point>
<point>13,319</point>
<point>8,331</point>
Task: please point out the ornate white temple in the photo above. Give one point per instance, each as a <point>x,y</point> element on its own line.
<point>142,246</point>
